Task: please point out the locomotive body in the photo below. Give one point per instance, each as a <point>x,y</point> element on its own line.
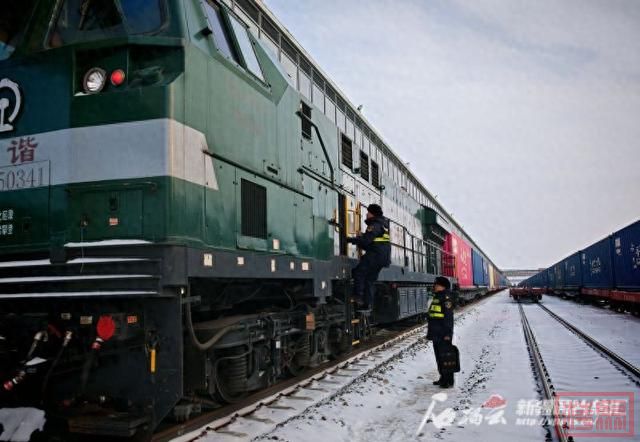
<point>174,213</point>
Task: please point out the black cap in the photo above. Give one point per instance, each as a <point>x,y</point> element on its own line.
<point>374,209</point>
<point>444,282</point>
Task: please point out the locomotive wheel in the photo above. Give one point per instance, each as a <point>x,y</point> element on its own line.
<point>339,342</point>
<point>300,356</point>
<point>231,376</point>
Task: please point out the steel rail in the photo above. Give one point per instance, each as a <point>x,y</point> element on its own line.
<point>632,369</point>
<point>543,374</point>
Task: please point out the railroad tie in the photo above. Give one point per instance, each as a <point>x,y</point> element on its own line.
<point>264,420</point>
<point>231,433</point>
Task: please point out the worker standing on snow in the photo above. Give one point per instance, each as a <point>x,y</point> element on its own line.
<point>440,326</point>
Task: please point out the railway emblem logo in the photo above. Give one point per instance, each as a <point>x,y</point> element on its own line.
<point>9,109</point>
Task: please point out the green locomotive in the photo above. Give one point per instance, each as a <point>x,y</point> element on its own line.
<point>177,182</point>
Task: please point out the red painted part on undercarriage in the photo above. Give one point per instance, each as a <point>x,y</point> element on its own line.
<point>632,297</point>
<point>598,293</point>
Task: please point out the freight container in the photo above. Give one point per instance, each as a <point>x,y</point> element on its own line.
<point>462,252</point>
<point>543,279</point>
<point>572,272</point>
<point>492,282</point>
<point>596,265</point>
<point>478,269</point>
<point>551,277</point>
<point>558,271</point>
<point>529,282</point>
<point>626,257</point>
<point>485,271</point>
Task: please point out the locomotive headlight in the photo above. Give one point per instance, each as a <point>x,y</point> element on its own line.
<point>94,80</point>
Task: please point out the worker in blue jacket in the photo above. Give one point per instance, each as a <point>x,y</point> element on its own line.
<point>440,325</point>
<point>376,243</point>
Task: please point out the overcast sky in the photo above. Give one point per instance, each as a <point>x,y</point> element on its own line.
<point>522,116</point>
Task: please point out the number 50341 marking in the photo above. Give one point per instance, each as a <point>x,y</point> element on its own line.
<point>24,176</point>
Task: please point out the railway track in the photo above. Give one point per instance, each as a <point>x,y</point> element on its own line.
<point>538,363</point>
<point>548,390</point>
<point>628,366</point>
<point>217,420</point>
<point>365,359</point>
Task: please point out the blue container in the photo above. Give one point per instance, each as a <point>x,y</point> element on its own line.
<point>597,268</point>
<point>626,257</point>
<point>485,271</point>
<point>544,276</point>
<point>478,269</point>
<point>551,277</point>
<point>558,272</point>
<point>572,271</point>
<point>539,280</point>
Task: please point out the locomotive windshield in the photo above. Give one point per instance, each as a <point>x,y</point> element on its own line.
<point>13,21</point>
<point>85,20</point>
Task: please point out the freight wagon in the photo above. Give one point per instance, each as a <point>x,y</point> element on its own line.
<point>474,274</point>
<point>177,183</point>
<point>606,271</point>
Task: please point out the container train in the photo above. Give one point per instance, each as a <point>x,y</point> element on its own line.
<point>177,183</point>
<point>606,271</point>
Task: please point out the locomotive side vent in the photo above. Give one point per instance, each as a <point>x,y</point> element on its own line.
<point>364,166</point>
<point>347,152</point>
<point>254,209</point>
<point>375,174</point>
<point>306,120</point>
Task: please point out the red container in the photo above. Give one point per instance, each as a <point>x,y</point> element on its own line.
<point>462,251</point>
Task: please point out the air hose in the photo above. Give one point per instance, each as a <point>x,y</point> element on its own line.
<point>204,346</point>
<point>67,337</point>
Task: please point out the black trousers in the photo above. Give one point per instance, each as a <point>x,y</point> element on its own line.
<point>438,345</point>
<point>365,275</point>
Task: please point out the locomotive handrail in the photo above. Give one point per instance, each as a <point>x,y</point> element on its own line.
<point>315,175</point>
<point>428,245</point>
<point>324,149</point>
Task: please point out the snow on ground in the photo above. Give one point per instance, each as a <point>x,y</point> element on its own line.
<point>619,332</point>
<point>575,368</point>
<point>390,404</point>
<point>18,424</point>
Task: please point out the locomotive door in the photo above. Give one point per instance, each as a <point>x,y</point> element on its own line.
<point>352,223</point>
<point>342,225</point>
